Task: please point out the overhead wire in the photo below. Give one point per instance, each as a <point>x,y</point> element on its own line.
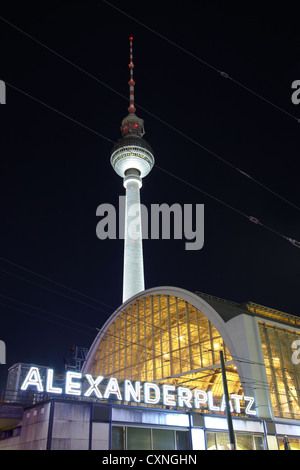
<point>71,298</point>
<point>45,311</point>
<point>129,314</point>
<point>250,218</point>
<point>225,75</point>
<point>125,341</point>
<point>55,282</point>
<point>144,109</point>
<point>58,112</point>
<point>254,383</point>
<point>87,128</point>
<point>54,291</point>
<point>44,318</point>
<point>194,56</point>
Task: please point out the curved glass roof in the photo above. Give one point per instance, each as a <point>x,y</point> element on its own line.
<point>163,338</point>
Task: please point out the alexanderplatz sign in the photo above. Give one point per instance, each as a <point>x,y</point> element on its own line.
<point>150,393</point>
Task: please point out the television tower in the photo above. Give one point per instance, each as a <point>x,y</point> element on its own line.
<point>132,159</point>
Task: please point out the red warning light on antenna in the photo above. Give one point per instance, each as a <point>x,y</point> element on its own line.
<point>131,38</point>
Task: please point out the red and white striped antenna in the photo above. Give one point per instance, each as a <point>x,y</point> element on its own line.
<point>131,82</point>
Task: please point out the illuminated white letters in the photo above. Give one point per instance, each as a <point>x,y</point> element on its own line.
<point>93,386</point>
<point>132,393</point>
<point>197,400</point>
<point>148,393</point>
<point>248,410</point>
<point>73,388</point>
<point>112,388</point>
<point>223,404</point>
<point>33,378</point>
<point>49,383</point>
<point>184,397</point>
<point>237,401</point>
<point>148,387</point>
<point>211,405</point>
<point>168,400</point>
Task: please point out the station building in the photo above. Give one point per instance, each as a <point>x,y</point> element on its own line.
<point>155,382</point>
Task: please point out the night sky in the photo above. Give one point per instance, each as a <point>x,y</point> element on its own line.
<point>55,173</point>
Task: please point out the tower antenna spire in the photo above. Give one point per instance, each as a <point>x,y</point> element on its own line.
<point>131,82</point>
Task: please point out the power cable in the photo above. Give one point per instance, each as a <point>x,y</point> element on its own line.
<point>148,112</point>
<point>223,74</point>
<point>260,384</point>
<point>46,311</point>
<point>55,282</point>
<point>236,358</point>
<point>54,291</point>
<point>42,318</point>
<point>59,112</point>
<point>125,341</point>
<point>128,313</point>
<point>250,218</point>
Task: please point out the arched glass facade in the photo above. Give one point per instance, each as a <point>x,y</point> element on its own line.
<point>164,338</point>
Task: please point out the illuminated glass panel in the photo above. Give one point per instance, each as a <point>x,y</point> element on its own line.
<point>164,338</point>
<point>138,438</point>
<point>282,374</point>
<point>293,442</point>
<point>220,441</point>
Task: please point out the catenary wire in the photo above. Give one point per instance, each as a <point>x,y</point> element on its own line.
<point>237,358</point>
<point>111,141</point>
<point>245,381</point>
<point>222,73</point>
<point>260,385</point>
<point>43,318</point>
<point>47,312</point>
<point>125,341</point>
<point>250,218</point>
<point>76,300</point>
<point>128,313</point>
<point>153,115</point>
<point>55,282</point>
<point>59,112</point>
<point>54,291</point>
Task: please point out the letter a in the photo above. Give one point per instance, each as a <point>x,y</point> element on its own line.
<point>33,378</point>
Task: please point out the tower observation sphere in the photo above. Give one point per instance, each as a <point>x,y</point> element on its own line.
<point>132,159</point>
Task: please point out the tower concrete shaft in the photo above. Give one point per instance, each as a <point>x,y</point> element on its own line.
<point>133,268</point>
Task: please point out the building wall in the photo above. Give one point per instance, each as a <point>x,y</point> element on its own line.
<point>71,427</point>
<point>59,426</point>
<point>250,361</point>
<point>82,425</point>
<point>34,430</point>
